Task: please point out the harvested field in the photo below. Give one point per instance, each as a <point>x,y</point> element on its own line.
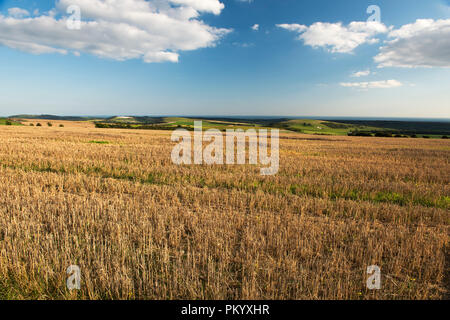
<point>140,227</point>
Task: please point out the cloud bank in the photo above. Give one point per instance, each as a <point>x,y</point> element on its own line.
<point>425,43</point>
<point>336,37</point>
<point>154,30</point>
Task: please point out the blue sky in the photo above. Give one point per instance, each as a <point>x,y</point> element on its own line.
<point>217,64</point>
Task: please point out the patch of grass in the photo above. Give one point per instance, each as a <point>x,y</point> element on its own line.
<point>99,142</point>
<point>391,197</point>
<point>379,197</point>
<point>9,122</point>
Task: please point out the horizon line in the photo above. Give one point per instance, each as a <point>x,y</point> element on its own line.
<point>355,118</point>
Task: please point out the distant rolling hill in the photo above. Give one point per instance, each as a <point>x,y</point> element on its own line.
<point>307,126</point>
<point>52,117</point>
<point>405,127</point>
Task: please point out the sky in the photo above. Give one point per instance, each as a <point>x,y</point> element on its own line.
<point>237,57</point>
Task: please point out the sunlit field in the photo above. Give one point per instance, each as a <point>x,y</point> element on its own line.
<point>112,202</point>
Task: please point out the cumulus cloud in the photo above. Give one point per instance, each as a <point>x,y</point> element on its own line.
<point>255,27</point>
<point>425,43</point>
<point>18,12</point>
<point>385,84</point>
<point>359,74</point>
<point>293,27</point>
<point>153,30</point>
<point>337,37</point>
<point>213,6</point>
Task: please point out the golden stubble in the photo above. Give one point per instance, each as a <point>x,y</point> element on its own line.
<point>140,227</point>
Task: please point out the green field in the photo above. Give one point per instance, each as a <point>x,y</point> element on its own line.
<point>414,129</point>
<point>4,122</point>
<point>171,123</point>
<point>324,127</point>
<point>302,126</point>
<point>306,126</point>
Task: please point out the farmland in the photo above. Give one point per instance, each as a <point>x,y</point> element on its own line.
<point>368,128</point>
<point>8,122</point>
<point>140,227</point>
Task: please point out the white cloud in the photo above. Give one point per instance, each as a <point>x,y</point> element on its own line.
<point>293,27</point>
<point>359,74</point>
<point>385,84</point>
<point>337,37</point>
<point>213,6</point>
<point>255,27</point>
<point>154,30</point>
<point>18,12</point>
<point>425,43</point>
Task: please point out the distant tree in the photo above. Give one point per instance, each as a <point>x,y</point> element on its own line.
<point>426,137</point>
<point>360,134</point>
<point>383,134</point>
<point>61,126</point>
<point>49,124</point>
<point>413,136</point>
<point>8,123</point>
<point>31,125</point>
<point>444,137</point>
<point>38,125</point>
